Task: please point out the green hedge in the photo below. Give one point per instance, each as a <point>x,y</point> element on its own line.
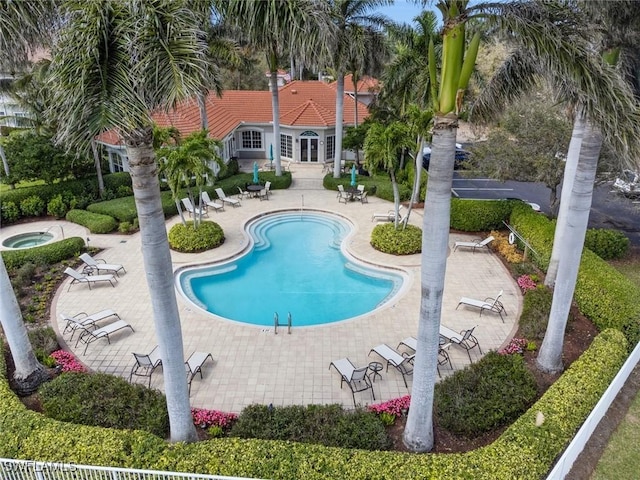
<point>371,184</point>
<point>606,243</point>
<point>480,215</point>
<point>124,209</point>
<point>45,254</point>
<point>523,451</point>
<point>95,222</point>
<point>184,238</point>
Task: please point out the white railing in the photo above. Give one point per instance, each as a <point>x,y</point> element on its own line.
<point>30,470</point>
<point>565,462</point>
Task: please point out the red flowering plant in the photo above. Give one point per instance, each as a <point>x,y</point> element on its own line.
<point>526,283</point>
<point>515,346</point>
<point>212,418</point>
<point>396,406</point>
<point>68,361</point>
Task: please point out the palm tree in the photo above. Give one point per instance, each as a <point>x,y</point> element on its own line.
<point>353,25</point>
<point>113,62</point>
<point>275,26</point>
<point>23,26</point>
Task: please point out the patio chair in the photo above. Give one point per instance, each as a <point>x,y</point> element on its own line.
<point>89,336</point>
<point>343,195</point>
<point>443,354</point>
<point>363,198</point>
<point>390,216</point>
<point>94,264</point>
<point>356,378</point>
<point>474,244</point>
<point>243,193</point>
<point>82,319</point>
<point>224,199</point>
<point>491,304</point>
<point>206,200</point>
<point>188,206</point>
<point>145,364</point>
<point>194,365</point>
<point>359,192</point>
<point>465,339</point>
<point>403,363</point>
<point>88,279</point>
<point>264,193</point>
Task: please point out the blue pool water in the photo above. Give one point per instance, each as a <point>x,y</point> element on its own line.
<point>295,266</point>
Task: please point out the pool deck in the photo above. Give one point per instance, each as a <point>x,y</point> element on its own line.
<point>252,364</point>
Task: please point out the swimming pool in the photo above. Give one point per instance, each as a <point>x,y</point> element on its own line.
<point>296,265</point>
<point>27,240</point>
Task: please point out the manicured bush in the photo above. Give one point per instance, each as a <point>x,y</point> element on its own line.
<point>45,254</point>
<point>95,222</point>
<point>32,206</point>
<point>328,425</point>
<point>370,183</point>
<point>188,239</point>
<point>485,395</point>
<point>124,209</point>
<point>384,190</point>
<point>480,215</point>
<point>44,342</point>
<point>105,400</point>
<point>10,212</point>
<point>534,318</point>
<point>607,244</point>
<point>57,207</point>
<point>403,241</point>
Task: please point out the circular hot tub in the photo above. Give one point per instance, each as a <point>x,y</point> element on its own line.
<point>27,240</point>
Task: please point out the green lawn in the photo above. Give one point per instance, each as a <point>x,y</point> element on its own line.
<point>5,188</point>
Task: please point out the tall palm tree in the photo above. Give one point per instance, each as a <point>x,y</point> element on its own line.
<point>352,20</point>
<point>113,62</point>
<point>275,27</point>
<point>23,27</point>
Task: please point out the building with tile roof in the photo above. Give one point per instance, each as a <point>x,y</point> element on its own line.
<point>367,88</point>
<point>242,120</point>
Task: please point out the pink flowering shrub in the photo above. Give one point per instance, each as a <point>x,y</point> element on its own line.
<point>212,418</point>
<point>396,407</point>
<point>67,361</point>
<point>526,283</point>
<point>516,345</point>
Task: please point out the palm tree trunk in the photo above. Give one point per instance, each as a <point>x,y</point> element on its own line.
<point>550,356</point>
<point>339,123</point>
<point>29,373</point>
<point>202,108</point>
<point>418,433</point>
<point>275,105</point>
<point>5,164</point>
<point>415,195</point>
<point>567,186</point>
<point>159,272</point>
<point>96,162</point>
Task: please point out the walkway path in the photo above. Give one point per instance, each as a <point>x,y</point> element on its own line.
<point>252,365</point>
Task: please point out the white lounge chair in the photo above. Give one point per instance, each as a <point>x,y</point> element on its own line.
<point>403,363</point>
<point>145,364</point>
<point>82,319</point>
<point>356,378</point>
<point>390,216</point>
<point>443,354</point>
<point>491,304</point>
<point>224,199</point>
<point>206,200</point>
<point>94,263</point>
<point>88,279</point>
<point>89,336</point>
<point>188,206</point>
<point>464,339</point>
<point>194,365</point>
<point>474,244</point>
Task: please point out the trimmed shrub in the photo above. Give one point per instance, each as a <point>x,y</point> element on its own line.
<point>403,241</point>
<point>57,207</point>
<point>10,212</point>
<point>607,244</point>
<point>188,239</point>
<point>44,342</point>
<point>480,215</point>
<point>328,425</point>
<point>72,397</point>
<point>45,254</point>
<point>95,222</point>
<point>536,307</point>
<point>32,206</point>
<point>485,395</point>
<point>124,209</point>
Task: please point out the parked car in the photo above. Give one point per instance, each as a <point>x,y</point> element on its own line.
<point>461,156</point>
<point>628,183</point>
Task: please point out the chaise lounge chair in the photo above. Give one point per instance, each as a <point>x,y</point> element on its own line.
<point>206,199</point>
<point>403,363</point>
<point>356,378</point>
<point>94,264</point>
<point>188,206</point>
<point>88,279</point>
<point>194,365</point>
<point>492,304</point>
<point>146,364</point>
<point>224,199</point>
<point>464,339</point>
<point>443,354</point>
<point>474,244</point>
<point>89,336</point>
<point>390,216</point>
<point>83,320</point>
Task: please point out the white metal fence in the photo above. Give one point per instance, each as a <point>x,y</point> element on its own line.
<point>30,470</point>
<point>565,462</point>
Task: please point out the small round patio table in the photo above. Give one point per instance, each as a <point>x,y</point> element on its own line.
<point>376,368</point>
<point>254,189</point>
